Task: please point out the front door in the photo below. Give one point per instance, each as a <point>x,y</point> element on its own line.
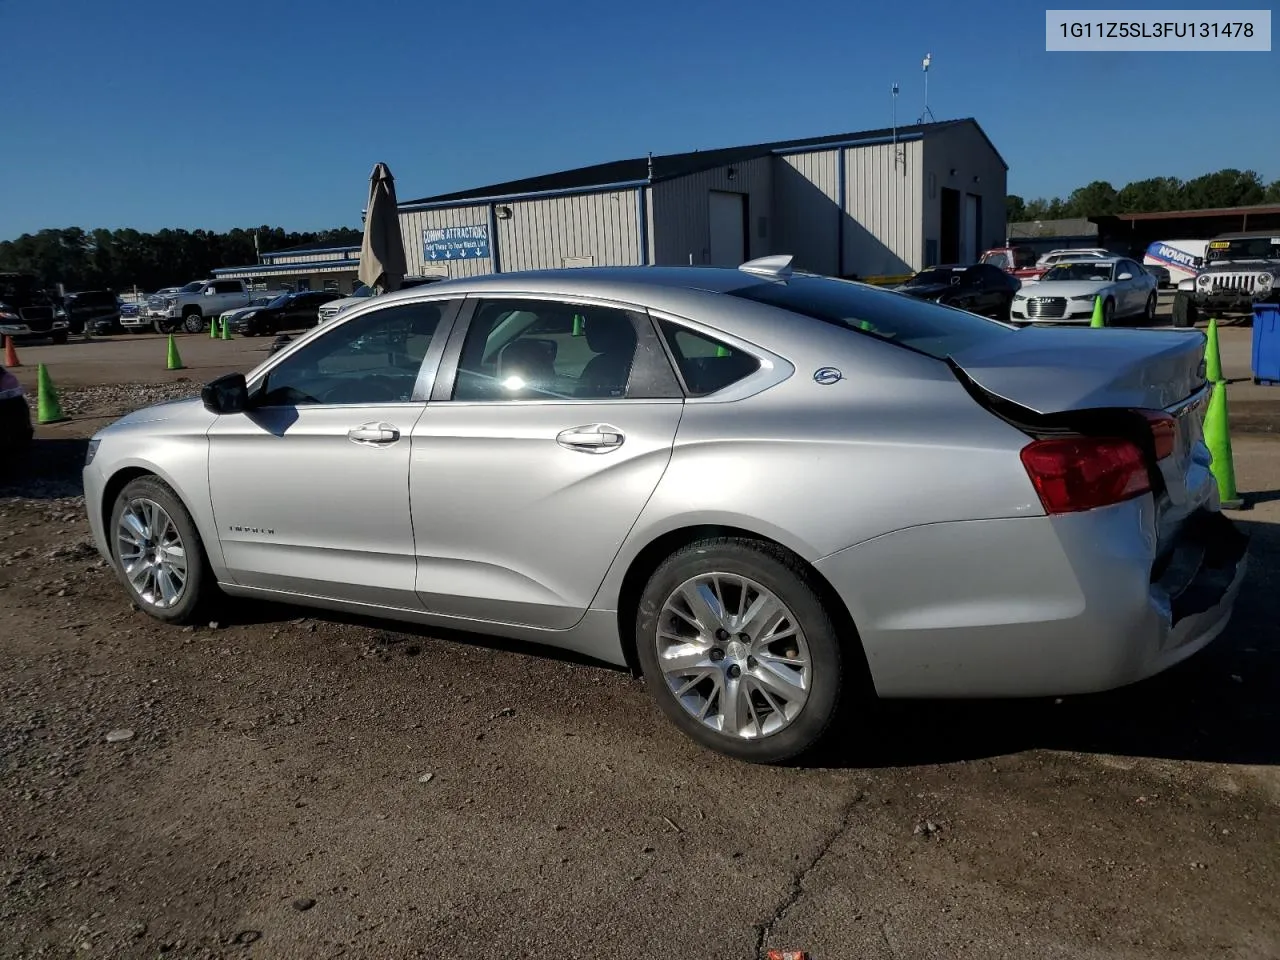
<point>727,224</point>
<point>551,425</point>
<point>310,487</point>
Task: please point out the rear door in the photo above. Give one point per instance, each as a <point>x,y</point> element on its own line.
<point>550,426</point>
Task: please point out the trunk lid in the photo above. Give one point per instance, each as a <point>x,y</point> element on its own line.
<point>1054,379</point>
<point>1051,370</point>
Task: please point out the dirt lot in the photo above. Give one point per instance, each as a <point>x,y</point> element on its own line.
<point>273,799</point>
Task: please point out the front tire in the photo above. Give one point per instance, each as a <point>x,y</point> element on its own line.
<point>1185,313</point>
<point>739,650</point>
<point>157,551</point>
<point>59,337</point>
<point>193,323</point>
<point>1149,311</point>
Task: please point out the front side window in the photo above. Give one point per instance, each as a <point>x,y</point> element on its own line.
<point>997,260</point>
<point>227,286</point>
<point>371,359</point>
<point>547,350</point>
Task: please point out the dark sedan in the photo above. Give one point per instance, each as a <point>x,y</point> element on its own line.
<point>978,288</point>
<point>15,416</point>
<point>289,311</point>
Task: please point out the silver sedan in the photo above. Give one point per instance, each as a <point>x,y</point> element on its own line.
<point>776,495</point>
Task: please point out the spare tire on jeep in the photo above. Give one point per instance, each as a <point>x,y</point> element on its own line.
<point>1185,312</point>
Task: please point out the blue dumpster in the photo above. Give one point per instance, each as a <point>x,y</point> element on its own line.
<point>1266,343</point>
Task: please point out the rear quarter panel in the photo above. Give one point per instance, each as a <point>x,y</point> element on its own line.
<point>896,443</point>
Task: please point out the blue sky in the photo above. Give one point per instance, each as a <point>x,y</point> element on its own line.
<point>196,114</point>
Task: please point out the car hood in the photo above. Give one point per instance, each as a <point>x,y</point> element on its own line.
<point>181,409</point>
<point>1271,266</point>
<point>1055,369</point>
<point>927,291</point>
<point>1065,288</point>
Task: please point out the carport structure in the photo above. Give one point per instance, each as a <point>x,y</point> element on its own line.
<point>1137,231</point>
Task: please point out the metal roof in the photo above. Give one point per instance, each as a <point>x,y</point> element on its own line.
<point>670,166</point>
<point>1261,208</point>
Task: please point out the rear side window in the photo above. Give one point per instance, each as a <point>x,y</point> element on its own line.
<point>706,364</point>
<point>919,325</point>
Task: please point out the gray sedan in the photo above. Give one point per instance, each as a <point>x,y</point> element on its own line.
<point>776,495</point>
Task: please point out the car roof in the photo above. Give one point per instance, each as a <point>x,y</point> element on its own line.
<point>1093,261</point>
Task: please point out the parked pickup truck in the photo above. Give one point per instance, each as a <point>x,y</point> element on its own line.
<point>191,308</point>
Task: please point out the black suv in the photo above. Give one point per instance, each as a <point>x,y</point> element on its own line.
<point>26,313</point>
<point>85,310</point>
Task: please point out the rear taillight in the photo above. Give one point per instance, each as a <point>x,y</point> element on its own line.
<point>1164,432</point>
<point>1082,473</point>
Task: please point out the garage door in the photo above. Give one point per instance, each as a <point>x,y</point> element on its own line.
<point>728,229</point>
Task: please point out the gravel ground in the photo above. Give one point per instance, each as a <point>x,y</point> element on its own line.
<point>278,783</point>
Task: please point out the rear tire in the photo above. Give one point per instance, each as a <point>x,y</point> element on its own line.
<point>59,338</point>
<point>785,692</point>
<point>1149,312</point>
<point>1108,312</point>
<point>135,543</point>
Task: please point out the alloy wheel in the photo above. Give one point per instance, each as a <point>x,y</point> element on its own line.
<point>151,553</point>
<point>734,655</point>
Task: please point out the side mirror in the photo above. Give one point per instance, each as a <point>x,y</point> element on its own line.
<point>227,394</point>
<point>1125,276</point>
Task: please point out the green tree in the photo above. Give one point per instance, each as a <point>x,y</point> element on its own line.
<point>1095,199</point>
<point>1015,208</point>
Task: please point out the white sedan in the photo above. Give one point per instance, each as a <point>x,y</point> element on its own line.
<point>1066,293</point>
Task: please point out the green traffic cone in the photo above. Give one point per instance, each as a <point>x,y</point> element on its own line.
<point>1212,358</point>
<point>1217,436</point>
<point>577,325</point>
<point>226,330</point>
<point>213,328</point>
<point>174,361</point>
<point>1097,320</point>
<point>48,406</point>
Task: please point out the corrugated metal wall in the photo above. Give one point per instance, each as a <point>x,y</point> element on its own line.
<point>884,222</point>
<point>681,219</point>
<point>542,234</point>
<point>806,194</point>
<point>964,150</point>
<point>414,222</point>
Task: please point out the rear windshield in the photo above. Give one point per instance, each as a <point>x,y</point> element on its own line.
<point>916,324</point>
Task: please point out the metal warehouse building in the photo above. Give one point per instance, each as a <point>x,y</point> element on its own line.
<point>877,204</point>
<point>310,266</point>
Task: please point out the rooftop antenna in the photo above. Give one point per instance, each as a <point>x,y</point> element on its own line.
<point>898,156</point>
<point>651,166</point>
<point>928,59</point>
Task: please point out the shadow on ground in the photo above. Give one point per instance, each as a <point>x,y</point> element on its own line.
<point>48,470</point>
<point>1222,705</point>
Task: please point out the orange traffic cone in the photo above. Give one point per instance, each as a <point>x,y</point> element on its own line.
<point>11,353</point>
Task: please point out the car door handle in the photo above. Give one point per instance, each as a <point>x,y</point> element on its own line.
<point>373,433</point>
<point>591,438</point>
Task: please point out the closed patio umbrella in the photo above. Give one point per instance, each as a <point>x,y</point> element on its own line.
<point>382,261</point>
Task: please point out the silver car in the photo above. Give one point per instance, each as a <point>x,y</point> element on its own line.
<point>776,495</point>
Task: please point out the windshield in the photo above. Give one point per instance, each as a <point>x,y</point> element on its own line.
<point>16,288</point>
<point>1252,248</point>
<point>261,301</point>
<point>920,325</point>
<point>1080,271</point>
<point>194,287</point>
<point>362,291</point>
<point>944,275</point>
<point>279,301</point>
